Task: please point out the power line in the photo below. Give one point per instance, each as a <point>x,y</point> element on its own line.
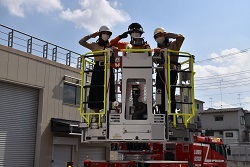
<point>224,94</point>
<point>206,84</point>
<point>223,75</point>
<point>216,81</point>
<point>228,105</point>
<point>223,56</point>
<point>227,83</point>
<point>224,86</point>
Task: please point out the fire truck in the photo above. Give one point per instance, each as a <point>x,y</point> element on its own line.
<point>203,151</point>
<point>133,125</point>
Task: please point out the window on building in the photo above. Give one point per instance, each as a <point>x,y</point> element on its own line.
<point>71,94</point>
<point>229,134</point>
<point>198,106</point>
<point>209,133</point>
<point>198,118</point>
<point>218,118</point>
<point>242,120</point>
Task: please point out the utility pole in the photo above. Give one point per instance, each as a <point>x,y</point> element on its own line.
<point>211,101</point>
<point>221,94</point>
<point>239,99</point>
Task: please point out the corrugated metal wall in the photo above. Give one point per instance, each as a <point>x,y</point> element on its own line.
<point>18,124</point>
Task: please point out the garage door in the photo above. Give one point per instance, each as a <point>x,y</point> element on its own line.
<point>18,123</point>
<point>92,153</point>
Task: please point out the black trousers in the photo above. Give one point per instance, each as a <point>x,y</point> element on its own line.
<point>96,93</point>
<point>160,84</point>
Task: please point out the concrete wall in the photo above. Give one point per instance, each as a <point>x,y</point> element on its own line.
<point>26,69</point>
<point>230,121</point>
<point>197,119</point>
<point>238,164</point>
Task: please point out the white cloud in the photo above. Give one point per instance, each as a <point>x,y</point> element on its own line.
<point>224,63</point>
<point>246,100</point>
<point>95,13</point>
<point>20,7</point>
<point>91,14</point>
<point>233,57</point>
<point>224,76</point>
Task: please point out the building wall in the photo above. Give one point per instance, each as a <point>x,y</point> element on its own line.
<point>243,134</point>
<point>199,109</point>
<point>26,69</point>
<point>230,121</point>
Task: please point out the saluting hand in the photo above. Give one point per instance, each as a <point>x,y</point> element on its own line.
<point>95,34</point>
<point>124,35</point>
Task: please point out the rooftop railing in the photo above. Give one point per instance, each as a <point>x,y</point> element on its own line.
<point>38,47</point>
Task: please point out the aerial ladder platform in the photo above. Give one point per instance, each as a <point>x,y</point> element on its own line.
<point>134,115</point>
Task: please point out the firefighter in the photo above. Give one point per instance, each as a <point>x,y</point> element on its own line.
<point>162,39</point>
<point>135,31</point>
<point>96,94</point>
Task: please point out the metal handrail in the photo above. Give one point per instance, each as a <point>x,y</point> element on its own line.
<point>30,43</point>
<point>87,116</point>
<point>189,61</point>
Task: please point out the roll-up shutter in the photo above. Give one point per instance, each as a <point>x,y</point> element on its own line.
<point>92,153</point>
<point>18,123</point>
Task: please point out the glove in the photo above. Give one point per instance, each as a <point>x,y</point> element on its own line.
<point>124,35</point>
<point>95,34</point>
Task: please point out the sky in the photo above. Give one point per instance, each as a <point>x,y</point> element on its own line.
<point>217,33</point>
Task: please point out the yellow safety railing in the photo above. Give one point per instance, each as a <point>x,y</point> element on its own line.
<point>88,115</point>
<point>137,50</point>
<point>189,61</point>
<point>187,116</point>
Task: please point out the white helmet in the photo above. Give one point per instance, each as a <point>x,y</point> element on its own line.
<point>105,29</point>
<point>159,30</point>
